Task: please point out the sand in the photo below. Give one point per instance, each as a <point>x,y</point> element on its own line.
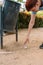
<point>13,53</point>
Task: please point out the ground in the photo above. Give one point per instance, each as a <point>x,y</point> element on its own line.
<point>13,53</point>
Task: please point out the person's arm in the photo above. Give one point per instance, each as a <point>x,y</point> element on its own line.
<point>30,26</point>
<point>32,21</point>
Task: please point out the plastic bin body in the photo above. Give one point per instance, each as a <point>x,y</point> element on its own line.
<point>10,15</point>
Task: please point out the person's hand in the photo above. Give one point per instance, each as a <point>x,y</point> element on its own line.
<point>25,43</point>
<point>26,40</point>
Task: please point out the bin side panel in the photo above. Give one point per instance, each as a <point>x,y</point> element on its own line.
<point>11,11</point>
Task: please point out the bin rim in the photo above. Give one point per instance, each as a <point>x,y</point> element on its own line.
<point>13,2</point>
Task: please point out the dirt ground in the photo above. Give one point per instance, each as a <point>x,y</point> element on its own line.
<point>13,53</point>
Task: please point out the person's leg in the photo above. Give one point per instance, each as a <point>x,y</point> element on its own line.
<point>41,46</point>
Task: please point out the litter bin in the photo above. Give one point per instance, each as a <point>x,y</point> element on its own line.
<point>10,14</point>
<point>8,18</point>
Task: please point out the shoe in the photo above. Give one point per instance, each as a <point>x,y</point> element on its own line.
<point>41,46</point>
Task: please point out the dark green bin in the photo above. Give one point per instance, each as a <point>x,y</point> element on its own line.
<point>10,12</point>
<point>8,19</point>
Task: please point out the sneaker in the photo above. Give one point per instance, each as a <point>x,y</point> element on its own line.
<point>41,46</point>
